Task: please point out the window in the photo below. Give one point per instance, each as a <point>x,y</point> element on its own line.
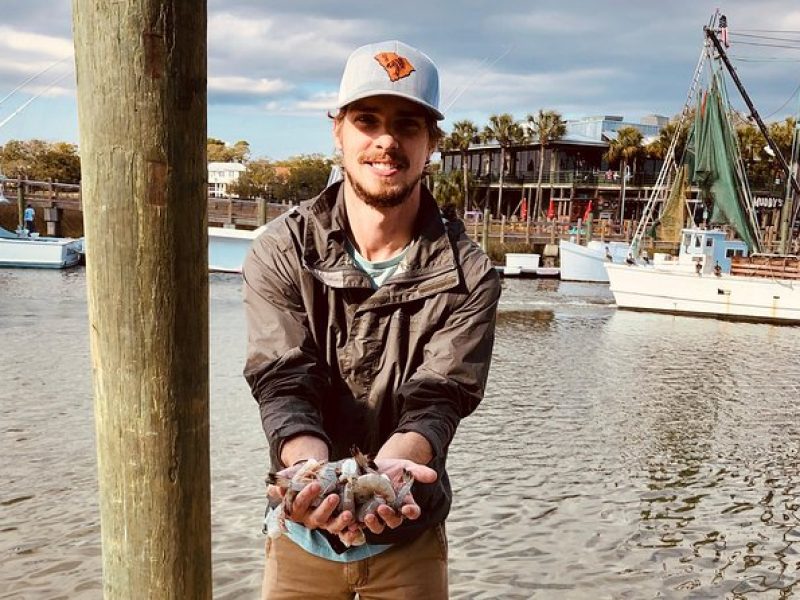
<point>709,242</point>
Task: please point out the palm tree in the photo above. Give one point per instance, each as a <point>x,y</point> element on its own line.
<point>506,132</point>
<point>625,149</point>
<point>463,134</point>
<point>548,127</point>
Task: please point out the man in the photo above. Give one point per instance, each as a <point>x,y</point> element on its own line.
<point>29,216</point>
<point>370,323</point>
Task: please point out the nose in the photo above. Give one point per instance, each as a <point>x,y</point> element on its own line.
<point>386,140</point>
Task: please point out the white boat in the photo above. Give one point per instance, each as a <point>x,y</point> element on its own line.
<point>702,281</point>
<point>713,275</point>
<point>521,265</point>
<point>34,251</point>
<point>228,247</point>
<point>588,263</point>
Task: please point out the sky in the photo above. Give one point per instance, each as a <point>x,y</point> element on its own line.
<point>274,66</point>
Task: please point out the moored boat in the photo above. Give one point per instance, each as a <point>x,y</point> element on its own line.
<point>228,247</point>
<point>714,275</point>
<point>588,263</point>
<point>33,251</point>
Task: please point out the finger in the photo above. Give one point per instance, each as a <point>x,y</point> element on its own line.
<point>390,517</point>
<point>422,473</point>
<point>273,491</point>
<point>304,499</point>
<point>411,511</point>
<point>349,537</point>
<point>340,523</point>
<point>321,515</point>
<point>374,524</point>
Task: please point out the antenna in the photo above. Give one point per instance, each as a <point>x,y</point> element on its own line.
<point>31,99</point>
<point>31,78</point>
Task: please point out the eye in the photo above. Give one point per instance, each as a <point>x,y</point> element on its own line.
<point>365,119</point>
<point>409,125</point>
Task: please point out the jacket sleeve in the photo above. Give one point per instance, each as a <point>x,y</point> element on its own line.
<point>283,369</point>
<point>450,382</point>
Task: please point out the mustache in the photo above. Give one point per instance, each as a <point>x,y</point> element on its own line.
<point>395,157</point>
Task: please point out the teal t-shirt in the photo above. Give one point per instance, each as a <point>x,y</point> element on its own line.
<point>379,272</point>
<point>309,540</point>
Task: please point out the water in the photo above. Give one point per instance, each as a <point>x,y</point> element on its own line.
<point>616,454</point>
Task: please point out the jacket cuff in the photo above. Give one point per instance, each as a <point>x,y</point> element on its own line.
<point>277,438</point>
<point>437,426</point>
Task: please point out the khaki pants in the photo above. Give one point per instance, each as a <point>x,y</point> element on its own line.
<point>416,570</point>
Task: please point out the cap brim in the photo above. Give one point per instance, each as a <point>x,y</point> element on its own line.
<point>369,94</point>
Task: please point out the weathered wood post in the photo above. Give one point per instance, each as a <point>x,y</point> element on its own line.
<point>589,222</point>
<point>503,229</point>
<point>487,222</point>
<point>262,211</point>
<point>141,68</point>
<point>21,202</point>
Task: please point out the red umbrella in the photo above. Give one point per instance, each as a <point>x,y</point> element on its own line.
<point>588,211</point>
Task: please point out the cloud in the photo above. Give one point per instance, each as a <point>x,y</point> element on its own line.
<point>243,90</point>
<point>15,41</point>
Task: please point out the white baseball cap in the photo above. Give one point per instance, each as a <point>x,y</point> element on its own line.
<point>390,68</point>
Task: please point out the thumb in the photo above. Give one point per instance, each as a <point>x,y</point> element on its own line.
<point>422,473</point>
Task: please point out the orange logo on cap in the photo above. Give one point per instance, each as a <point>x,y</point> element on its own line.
<point>396,66</point>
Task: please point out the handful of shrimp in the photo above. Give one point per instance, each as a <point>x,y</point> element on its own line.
<point>357,482</point>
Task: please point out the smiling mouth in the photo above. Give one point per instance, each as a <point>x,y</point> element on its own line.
<point>385,165</point>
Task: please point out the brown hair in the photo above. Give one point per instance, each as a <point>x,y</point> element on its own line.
<point>435,133</point>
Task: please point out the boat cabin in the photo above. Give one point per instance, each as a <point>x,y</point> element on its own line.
<point>709,248</point>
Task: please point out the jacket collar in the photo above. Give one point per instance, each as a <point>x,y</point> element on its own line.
<point>430,266</point>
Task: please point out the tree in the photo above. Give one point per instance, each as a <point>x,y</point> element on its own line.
<point>219,151</point>
<point>258,181</point>
<point>548,127</point>
<point>625,149</point>
<point>658,147</point>
<point>301,177</point>
<point>506,132</point>
<point>448,193</point>
<point>41,161</point>
<point>463,134</point>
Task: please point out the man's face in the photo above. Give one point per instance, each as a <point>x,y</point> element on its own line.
<point>385,145</point>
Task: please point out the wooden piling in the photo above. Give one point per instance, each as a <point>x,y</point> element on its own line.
<point>141,70</point>
<point>21,202</point>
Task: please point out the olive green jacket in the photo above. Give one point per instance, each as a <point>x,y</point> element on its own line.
<point>331,357</point>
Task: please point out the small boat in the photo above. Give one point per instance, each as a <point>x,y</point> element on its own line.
<point>588,263</point>
<point>228,247</point>
<point>521,265</point>
<point>20,249</point>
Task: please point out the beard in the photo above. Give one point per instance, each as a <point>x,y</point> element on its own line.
<point>389,196</point>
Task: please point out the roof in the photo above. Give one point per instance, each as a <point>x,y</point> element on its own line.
<point>226,166</point>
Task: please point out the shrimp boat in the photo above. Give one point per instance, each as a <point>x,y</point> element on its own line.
<point>33,251</point>
<point>719,271</point>
<point>588,263</point>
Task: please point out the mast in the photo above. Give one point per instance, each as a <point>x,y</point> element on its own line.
<point>753,112</point>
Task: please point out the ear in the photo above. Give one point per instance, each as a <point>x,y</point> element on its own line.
<point>337,138</point>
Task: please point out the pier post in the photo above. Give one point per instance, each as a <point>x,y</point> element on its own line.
<point>21,202</point>
<point>141,71</point>
<point>487,223</point>
<point>262,211</point>
<point>52,218</point>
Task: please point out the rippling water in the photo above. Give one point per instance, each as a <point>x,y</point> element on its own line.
<point>616,455</point>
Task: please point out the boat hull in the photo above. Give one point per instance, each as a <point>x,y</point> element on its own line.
<point>40,253</point>
<point>227,248</point>
<point>588,263</point>
<point>650,288</point>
